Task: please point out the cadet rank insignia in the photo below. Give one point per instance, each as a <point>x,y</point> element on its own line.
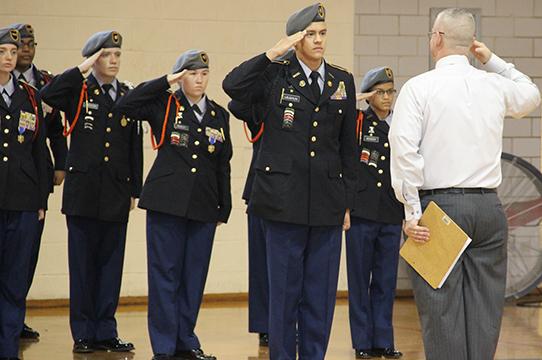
<point>340,93</point>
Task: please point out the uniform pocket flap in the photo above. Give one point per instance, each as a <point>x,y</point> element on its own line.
<point>273,164</point>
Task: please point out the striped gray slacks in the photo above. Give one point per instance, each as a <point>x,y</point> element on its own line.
<point>462,320</point>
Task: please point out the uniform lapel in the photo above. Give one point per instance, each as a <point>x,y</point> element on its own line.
<point>18,96</point>
<point>298,79</point>
<point>330,85</point>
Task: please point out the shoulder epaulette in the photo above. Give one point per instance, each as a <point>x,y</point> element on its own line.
<point>338,67</point>
<point>281,62</point>
<point>27,84</point>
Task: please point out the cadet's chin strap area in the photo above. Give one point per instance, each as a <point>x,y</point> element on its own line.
<point>84,94</point>
<point>256,137</point>
<point>164,125</point>
<point>359,126</point>
<point>32,97</point>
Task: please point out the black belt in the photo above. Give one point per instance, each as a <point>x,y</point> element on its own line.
<point>457,191</point>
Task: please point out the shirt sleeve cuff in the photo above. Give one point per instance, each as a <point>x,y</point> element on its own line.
<point>413,211</point>
<point>495,64</point>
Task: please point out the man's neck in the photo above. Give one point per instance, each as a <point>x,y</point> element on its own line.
<point>103,79</point>
<point>22,69</point>
<point>194,100</point>
<point>382,114</point>
<point>5,77</point>
<point>311,63</point>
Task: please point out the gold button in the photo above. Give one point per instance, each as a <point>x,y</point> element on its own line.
<point>386,145</point>
<point>6,131</point>
<point>382,157</point>
<point>199,130</point>
<point>194,156</point>
<point>290,104</point>
<point>89,112</point>
<point>340,111</point>
<point>6,145</point>
<point>313,154</point>
<point>380,171</point>
<point>110,115</point>
<point>267,168</point>
<point>317,109</point>
<point>315,123</point>
<point>106,158</point>
<point>313,139</point>
<point>193,170</point>
<point>107,145</point>
<point>8,117</point>
<point>379,184</point>
<point>196,142</point>
<point>5,158</point>
<point>375,123</point>
<point>108,129</point>
<point>71,168</point>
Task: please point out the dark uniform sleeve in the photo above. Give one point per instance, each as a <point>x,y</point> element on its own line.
<point>39,154</point>
<point>247,113</point>
<point>224,174</point>
<point>63,89</point>
<point>348,148</point>
<point>136,158</point>
<point>57,141</point>
<point>141,103</point>
<point>249,82</point>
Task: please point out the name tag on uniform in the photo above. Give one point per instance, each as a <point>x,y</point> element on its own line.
<point>93,106</point>
<point>291,98</point>
<point>371,139</point>
<point>182,127</point>
<point>27,121</point>
<point>214,133</point>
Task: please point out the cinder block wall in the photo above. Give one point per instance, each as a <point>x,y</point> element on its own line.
<point>394,33</point>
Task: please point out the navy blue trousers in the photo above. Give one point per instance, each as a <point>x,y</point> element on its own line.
<point>258,283</point>
<point>303,264</point>
<point>17,233</point>
<point>96,258</point>
<point>35,253</point>
<point>372,255</point>
<point>179,252</point>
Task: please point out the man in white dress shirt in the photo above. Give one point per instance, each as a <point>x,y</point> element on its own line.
<point>446,141</point>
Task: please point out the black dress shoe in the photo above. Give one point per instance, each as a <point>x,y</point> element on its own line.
<point>194,354</point>
<point>364,354</point>
<point>388,353</point>
<point>114,345</point>
<point>82,346</point>
<point>29,334</point>
<point>264,339</point>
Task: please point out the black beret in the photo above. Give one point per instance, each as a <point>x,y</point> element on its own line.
<point>102,40</point>
<point>10,36</point>
<point>25,30</point>
<point>379,75</point>
<point>191,60</point>
<point>300,20</point>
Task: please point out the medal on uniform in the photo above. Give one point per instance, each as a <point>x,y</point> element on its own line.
<point>175,138</point>
<point>364,156</point>
<point>183,139</point>
<point>373,159</point>
<point>96,92</point>
<point>288,118</point>
<point>340,93</point>
<point>212,141</point>
<point>20,138</point>
<point>302,83</point>
<point>123,122</point>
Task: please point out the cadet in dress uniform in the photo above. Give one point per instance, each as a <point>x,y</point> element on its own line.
<point>26,71</point>
<point>305,178</point>
<point>258,282</point>
<point>104,177</point>
<point>372,243</point>
<point>186,193</point>
<point>23,187</point>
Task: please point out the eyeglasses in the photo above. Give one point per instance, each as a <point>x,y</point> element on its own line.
<point>30,44</point>
<point>430,33</point>
<point>389,92</point>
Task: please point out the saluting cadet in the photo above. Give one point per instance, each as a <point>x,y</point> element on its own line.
<point>305,178</point>
<point>258,282</point>
<point>372,243</point>
<point>27,72</point>
<point>186,194</point>
<point>23,190</point>
<point>104,177</point>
